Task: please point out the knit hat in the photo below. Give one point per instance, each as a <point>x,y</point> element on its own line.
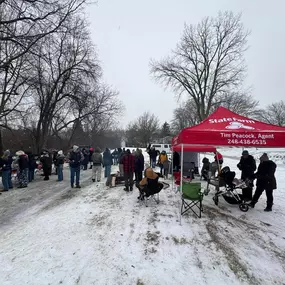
<point>245,152</point>
<point>75,148</point>
<point>7,152</point>
<point>60,152</point>
<point>264,157</point>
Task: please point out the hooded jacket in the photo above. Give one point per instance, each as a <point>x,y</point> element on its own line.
<point>97,157</point>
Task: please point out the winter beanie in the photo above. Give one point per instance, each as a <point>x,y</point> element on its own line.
<point>60,152</point>
<point>264,157</point>
<point>75,148</point>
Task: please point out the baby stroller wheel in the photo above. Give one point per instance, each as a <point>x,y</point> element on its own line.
<point>216,200</point>
<point>243,207</point>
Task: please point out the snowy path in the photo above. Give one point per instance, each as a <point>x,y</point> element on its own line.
<point>39,195</point>
<point>103,236</point>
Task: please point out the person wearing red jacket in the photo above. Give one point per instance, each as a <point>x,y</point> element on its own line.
<point>128,162</point>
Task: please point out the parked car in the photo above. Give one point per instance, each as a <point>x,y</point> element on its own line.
<point>162,147</point>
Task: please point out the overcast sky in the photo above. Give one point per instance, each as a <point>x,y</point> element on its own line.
<point>128,33</point>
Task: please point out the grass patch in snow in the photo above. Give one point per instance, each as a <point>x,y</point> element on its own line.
<point>139,282</point>
<point>180,241</point>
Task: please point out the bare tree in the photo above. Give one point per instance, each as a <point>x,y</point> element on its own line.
<point>64,65</point>
<point>143,130</point>
<point>24,22</point>
<point>208,63</point>
<point>274,114</point>
<point>184,116</point>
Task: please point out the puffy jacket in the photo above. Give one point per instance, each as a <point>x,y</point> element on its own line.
<point>247,167</point>
<point>97,158</point>
<point>5,163</point>
<point>139,163</point>
<point>162,157</point>
<point>23,162</point>
<point>75,158</point>
<point>266,175</point>
<point>59,160</point>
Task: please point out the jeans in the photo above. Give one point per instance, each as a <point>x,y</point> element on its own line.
<point>31,175</point>
<point>6,180</point>
<point>74,171</point>
<point>107,170</point>
<point>153,162</point>
<point>60,172</point>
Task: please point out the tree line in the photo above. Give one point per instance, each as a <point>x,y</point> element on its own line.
<point>52,91</point>
<point>206,70</point>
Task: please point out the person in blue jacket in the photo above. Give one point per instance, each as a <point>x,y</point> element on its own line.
<point>6,168</point>
<point>107,162</point>
<point>75,158</point>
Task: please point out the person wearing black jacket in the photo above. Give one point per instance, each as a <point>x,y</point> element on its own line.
<point>247,165</point>
<point>176,161</point>
<point>32,166</point>
<point>46,160</point>
<point>75,158</point>
<point>6,168</point>
<point>139,166</point>
<point>205,168</point>
<point>266,180</point>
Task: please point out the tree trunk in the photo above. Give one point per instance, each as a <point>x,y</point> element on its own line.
<point>1,142</point>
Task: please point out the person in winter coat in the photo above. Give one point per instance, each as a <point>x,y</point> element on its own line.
<point>23,165</point>
<point>153,155</point>
<point>75,158</point>
<point>139,165</point>
<point>107,162</point>
<point>176,161</point>
<point>218,158</point>
<point>266,180</point>
<point>59,162</point>
<point>46,160</point>
<point>162,157</point>
<point>54,155</point>
<point>32,166</point>
<point>166,164</point>
<point>91,151</point>
<point>6,168</point>
<point>121,167</point>
<point>97,160</point>
<point>86,158</point>
<point>247,165</point>
<point>115,157</point>
<point>128,161</point>
<point>205,168</point>
<point>149,185</point>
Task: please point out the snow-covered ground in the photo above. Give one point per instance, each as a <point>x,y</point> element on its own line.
<point>98,235</point>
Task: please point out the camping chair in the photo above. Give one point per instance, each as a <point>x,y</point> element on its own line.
<point>151,191</point>
<point>191,192</point>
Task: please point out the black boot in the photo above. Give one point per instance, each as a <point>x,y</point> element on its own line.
<point>93,180</point>
<point>268,208</point>
<point>78,186</point>
<point>126,189</point>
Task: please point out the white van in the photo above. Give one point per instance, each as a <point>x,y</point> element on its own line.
<point>162,147</point>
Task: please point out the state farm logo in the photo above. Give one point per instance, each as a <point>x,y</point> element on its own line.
<point>238,125</point>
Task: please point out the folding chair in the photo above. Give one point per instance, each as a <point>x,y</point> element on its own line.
<point>191,192</point>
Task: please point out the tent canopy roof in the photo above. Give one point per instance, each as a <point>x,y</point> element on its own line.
<point>226,128</point>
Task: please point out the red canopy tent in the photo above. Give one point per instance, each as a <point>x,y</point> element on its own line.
<point>226,128</point>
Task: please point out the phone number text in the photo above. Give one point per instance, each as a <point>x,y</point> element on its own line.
<point>247,142</point>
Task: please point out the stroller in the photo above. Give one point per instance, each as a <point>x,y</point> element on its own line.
<point>230,193</point>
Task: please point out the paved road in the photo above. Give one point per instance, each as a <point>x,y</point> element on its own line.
<point>19,203</point>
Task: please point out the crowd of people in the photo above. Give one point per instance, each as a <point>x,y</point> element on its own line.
<point>131,167</point>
